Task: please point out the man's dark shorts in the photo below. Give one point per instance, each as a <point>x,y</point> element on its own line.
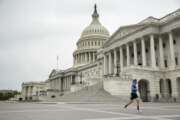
<point>133,96</point>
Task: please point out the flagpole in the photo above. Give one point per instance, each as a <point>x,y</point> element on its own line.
<point>57,58</point>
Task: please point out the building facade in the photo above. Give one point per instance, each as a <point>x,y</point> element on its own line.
<point>33,90</point>
<point>148,51</point>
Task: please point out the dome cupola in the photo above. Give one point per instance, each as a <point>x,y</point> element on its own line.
<point>95,28</point>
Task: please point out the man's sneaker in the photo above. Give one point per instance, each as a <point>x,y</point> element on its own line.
<point>139,111</point>
<point>125,106</point>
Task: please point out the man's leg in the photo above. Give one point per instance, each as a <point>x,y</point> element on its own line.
<point>130,102</point>
<point>137,100</point>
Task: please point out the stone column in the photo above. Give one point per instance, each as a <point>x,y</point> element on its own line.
<point>90,57</point>
<point>153,56</point>
<point>115,62</point>
<point>74,59</point>
<point>54,83</point>
<point>77,59</point>
<point>68,82</point>
<point>65,83</point>
<point>105,64</point>
<point>174,87</point>
<point>27,87</point>
<point>94,56</point>
<point>165,88</point>
<point>79,55</point>
<point>82,57</point>
<point>110,63</point>
<point>31,87</point>
<point>161,53</point>
<point>87,57</point>
<point>171,47</point>
<point>135,53</point>
<point>27,91</point>
<point>127,54</point>
<point>86,61</point>
<point>121,58</point>
<point>59,83</point>
<point>143,52</point>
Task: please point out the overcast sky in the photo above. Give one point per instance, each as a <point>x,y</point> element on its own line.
<point>34,32</point>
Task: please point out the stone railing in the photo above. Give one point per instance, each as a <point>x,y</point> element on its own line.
<point>122,76</point>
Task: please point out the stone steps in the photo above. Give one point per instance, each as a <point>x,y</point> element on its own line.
<point>93,93</point>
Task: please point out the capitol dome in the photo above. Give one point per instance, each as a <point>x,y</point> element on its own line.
<point>95,28</point>
<point>91,40</point>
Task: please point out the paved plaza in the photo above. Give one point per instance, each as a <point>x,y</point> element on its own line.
<point>63,111</point>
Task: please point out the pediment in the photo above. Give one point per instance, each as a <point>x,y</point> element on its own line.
<point>53,72</point>
<point>124,31</point>
<point>149,20</point>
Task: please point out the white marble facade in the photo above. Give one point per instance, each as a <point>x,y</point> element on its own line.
<point>148,51</point>
<point>32,90</point>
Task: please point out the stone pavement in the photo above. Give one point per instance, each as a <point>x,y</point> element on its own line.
<point>62,111</point>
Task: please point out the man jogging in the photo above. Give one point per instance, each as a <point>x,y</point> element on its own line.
<point>134,95</point>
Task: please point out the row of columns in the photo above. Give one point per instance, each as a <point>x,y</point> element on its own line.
<point>61,83</point>
<point>170,87</point>
<point>110,66</point>
<point>56,84</point>
<point>67,82</point>
<point>86,57</point>
<point>164,87</point>
<point>28,91</point>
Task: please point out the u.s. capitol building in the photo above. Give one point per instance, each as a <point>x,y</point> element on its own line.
<point>148,51</point>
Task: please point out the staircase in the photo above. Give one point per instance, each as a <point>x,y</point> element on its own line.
<point>93,93</point>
